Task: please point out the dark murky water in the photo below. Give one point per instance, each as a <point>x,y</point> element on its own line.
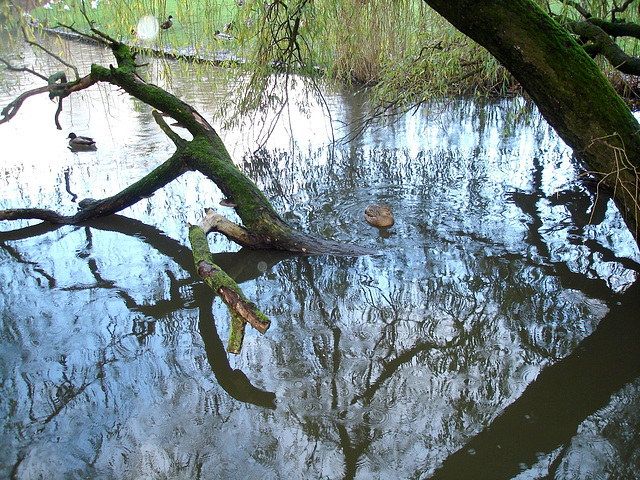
<point>494,336</point>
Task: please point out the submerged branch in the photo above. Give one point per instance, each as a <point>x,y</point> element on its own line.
<point>214,222</point>
<point>241,309</point>
<point>44,214</point>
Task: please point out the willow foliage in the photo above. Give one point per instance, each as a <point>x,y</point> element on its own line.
<point>400,49</point>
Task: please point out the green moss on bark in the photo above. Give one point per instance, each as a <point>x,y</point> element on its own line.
<point>240,308</point>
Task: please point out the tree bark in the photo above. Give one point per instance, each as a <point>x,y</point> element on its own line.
<point>567,86</point>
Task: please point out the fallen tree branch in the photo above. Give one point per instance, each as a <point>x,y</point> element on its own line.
<point>91,208</point>
<point>262,227</point>
<point>241,309</point>
<point>177,140</point>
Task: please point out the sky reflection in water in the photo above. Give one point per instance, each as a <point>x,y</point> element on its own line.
<point>375,367</point>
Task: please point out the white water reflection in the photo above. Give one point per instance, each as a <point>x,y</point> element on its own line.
<point>382,366</point>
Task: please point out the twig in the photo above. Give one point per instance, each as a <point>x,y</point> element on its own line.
<point>50,53</point>
<point>22,69</point>
<point>12,108</point>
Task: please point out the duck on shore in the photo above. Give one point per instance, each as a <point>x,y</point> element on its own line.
<point>379,216</point>
<point>168,24</point>
<point>81,143</point>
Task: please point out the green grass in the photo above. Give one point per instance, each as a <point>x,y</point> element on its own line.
<point>402,49</point>
<point>195,23</point>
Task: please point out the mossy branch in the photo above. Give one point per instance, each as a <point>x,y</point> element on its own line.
<point>617,29</point>
<point>241,309</point>
<point>604,45</point>
<point>90,208</point>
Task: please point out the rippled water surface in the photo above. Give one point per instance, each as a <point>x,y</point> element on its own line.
<point>494,335</point>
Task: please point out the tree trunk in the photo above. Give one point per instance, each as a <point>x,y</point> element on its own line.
<point>566,85</point>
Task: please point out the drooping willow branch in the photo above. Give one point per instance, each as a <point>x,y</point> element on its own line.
<point>50,53</point>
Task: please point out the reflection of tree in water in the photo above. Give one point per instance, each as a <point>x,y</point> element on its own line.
<point>480,392</point>
<point>49,395</point>
<point>452,326</point>
<point>389,363</point>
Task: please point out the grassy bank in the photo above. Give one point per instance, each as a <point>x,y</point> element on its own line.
<point>400,49</point>
<point>194,30</point>
<point>362,42</point>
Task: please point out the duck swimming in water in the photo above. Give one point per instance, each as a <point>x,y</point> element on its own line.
<point>81,143</point>
<point>379,216</point>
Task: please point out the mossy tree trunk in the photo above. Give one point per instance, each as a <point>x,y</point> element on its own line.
<point>566,85</point>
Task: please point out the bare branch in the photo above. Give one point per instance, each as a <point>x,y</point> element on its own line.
<point>11,110</point>
<point>50,53</point>
<point>22,69</point>
<point>214,222</point>
<point>33,214</point>
<point>620,9</point>
<point>63,89</point>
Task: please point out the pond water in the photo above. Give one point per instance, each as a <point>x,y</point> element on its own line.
<point>495,335</point>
